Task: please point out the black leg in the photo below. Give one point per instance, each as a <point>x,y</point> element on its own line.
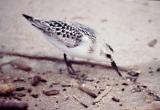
<point>69,65</point>
<point>114,66</point>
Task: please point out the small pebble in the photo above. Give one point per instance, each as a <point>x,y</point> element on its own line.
<point>20,88</point>
<point>158,70</point>
<point>115,99</point>
<point>125,84</point>
<point>122,89</point>
<point>34,95</point>
<point>36,80</point>
<point>133,73</point>
<point>152,43</point>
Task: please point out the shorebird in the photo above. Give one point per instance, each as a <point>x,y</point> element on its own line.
<point>76,40</point>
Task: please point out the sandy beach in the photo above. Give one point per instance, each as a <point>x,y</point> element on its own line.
<point>131,27</point>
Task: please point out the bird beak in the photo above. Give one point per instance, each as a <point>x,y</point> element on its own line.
<point>29,18</point>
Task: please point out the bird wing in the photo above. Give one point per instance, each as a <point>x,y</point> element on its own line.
<point>69,34</point>
<point>63,32</point>
<point>59,30</point>
<point>85,30</point>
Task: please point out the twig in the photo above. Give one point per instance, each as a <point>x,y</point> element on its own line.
<point>103,94</point>
<point>78,62</point>
<point>20,65</point>
<point>87,90</point>
<point>51,92</point>
<point>83,104</point>
<point>17,65</point>
<point>7,89</point>
<point>12,105</point>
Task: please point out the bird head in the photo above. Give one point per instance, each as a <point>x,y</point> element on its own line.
<point>40,24</point>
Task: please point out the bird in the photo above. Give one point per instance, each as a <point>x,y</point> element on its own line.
<point>76,40</point>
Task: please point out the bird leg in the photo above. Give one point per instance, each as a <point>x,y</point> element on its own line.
<point>113,64</point>
<point>69,65</point>
<point>72,72</point>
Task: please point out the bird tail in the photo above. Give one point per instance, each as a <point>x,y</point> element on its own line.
<point>40,24</point>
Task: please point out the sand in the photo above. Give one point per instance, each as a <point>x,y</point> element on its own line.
<point>131,27</point>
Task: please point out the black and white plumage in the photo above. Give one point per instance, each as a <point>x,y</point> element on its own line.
<point>74,39</point>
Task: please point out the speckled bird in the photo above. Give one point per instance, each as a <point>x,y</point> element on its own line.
<point>74,39</point>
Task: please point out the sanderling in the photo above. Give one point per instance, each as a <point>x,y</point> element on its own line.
<point>74,39</point>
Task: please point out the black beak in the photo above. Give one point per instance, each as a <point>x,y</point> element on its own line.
<point>29,18</point>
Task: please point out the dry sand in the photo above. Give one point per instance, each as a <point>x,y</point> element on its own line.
<point>131,27</point>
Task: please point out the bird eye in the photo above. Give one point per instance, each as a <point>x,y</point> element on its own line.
<point>108,55</point>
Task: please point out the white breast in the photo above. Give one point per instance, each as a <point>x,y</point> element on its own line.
<point>80,51</point>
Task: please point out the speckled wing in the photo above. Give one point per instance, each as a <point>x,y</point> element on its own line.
<point>59,30</point>
<point>64,33</point>
<point>91,33</point>
<point>69,34</point>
